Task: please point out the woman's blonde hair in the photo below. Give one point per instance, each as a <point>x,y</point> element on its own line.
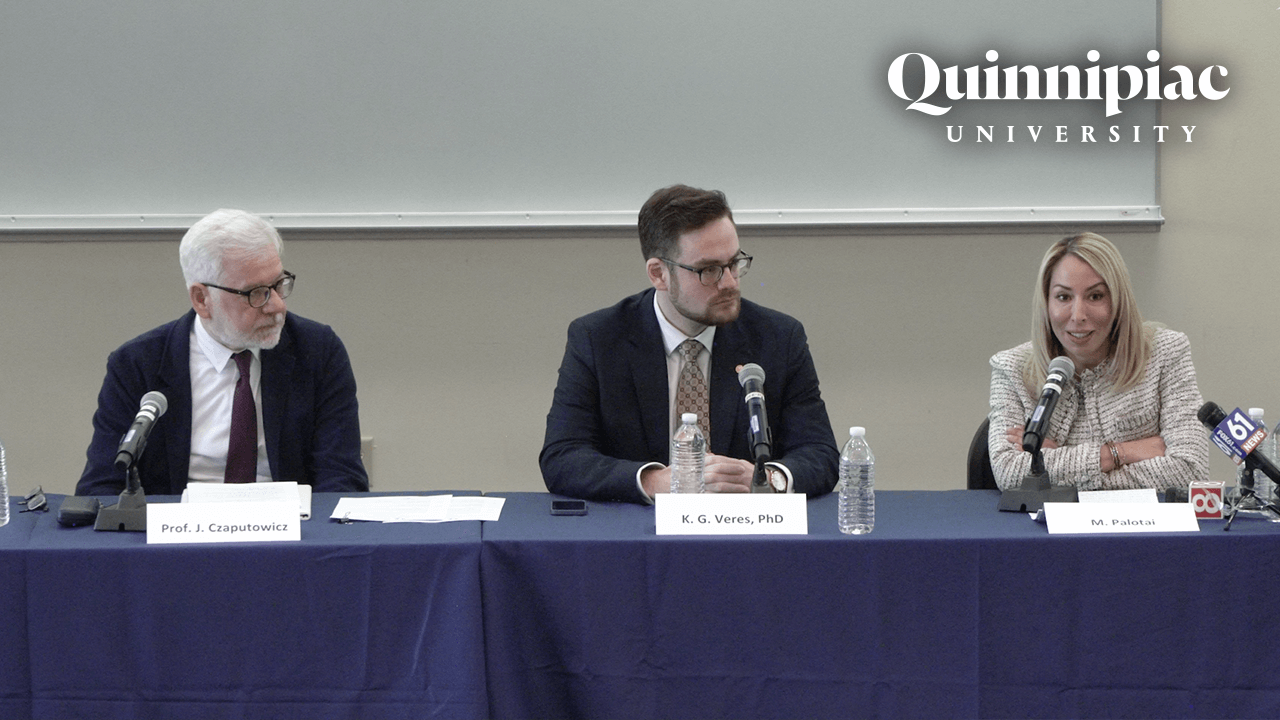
<point>1130,340</point>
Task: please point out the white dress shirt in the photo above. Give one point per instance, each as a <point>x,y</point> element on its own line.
<point>672,338</point>
<point>213,388</point>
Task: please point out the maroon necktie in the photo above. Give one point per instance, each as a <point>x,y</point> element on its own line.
<point>242,450</point>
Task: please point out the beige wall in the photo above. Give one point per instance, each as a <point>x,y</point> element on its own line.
<point>456,341</point>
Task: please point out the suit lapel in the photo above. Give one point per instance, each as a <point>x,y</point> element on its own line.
<point>277,369</point>
<point>725,391</point>
<point>648,361</point>
<point>175,384</point>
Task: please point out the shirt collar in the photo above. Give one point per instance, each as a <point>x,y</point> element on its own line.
<point>672,336</point>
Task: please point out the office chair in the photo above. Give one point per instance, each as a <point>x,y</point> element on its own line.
<point>980,476</point>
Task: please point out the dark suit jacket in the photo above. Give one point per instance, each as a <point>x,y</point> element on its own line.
<point>610,414</point>
<point>309,411</point>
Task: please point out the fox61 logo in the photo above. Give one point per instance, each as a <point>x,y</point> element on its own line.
<point>1207,502</point>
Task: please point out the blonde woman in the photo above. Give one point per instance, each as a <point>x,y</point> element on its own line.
<point>1128,418</point>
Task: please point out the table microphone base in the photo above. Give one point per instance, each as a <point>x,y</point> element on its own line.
<point>130,513</point>
<point>1031,500</point>
<point>1036,490</point>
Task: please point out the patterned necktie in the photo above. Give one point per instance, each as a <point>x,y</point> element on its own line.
<point>691,391</point>
<point>242,450</point>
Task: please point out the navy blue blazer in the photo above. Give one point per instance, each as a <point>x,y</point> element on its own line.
<point>610,413</point>
<point>309,412</point>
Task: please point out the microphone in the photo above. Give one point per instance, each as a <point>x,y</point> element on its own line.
<point>751,378</point>
<point>1212,416</point>
<point>1061,370</point>
<point>135,440</point>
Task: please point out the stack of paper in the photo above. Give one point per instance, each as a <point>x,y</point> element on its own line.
<point>418,508</point>
<point>251,492</point>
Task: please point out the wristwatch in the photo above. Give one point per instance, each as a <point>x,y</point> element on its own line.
<point>777,479</point>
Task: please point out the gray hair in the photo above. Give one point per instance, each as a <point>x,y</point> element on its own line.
<point>220,233</point>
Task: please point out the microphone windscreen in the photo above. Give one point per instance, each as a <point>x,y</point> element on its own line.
<point>1062,364</point>
<point>158,399</point>
<point>1210,414</point>
<point>750,371</point>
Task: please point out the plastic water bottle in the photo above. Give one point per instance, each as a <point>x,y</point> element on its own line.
<point>4,489</point>
<point>1272,447</point>
<point>688,455</point>
<point>1262,486</point>
<point>857,485</point>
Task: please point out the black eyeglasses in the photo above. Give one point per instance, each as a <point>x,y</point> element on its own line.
<point>711,274</point>
<point>261,295</point>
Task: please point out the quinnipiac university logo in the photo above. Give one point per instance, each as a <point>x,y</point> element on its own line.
<point>927,88</point>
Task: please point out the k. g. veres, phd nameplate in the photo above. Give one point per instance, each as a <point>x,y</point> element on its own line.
<point>745,514</point>
<point>221,522</point>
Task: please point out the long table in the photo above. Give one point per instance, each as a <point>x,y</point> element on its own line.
<point>357,620</point>
<point>948,609</point>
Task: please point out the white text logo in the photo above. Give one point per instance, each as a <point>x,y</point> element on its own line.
<point>1067,82</point>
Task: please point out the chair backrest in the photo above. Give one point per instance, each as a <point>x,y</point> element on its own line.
<point>980,475</point>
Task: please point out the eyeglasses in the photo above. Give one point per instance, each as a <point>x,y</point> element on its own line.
<point>261,295</point>
<point>711,275</point>
<point>36,501</point>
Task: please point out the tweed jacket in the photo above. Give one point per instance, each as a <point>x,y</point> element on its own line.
<point>1089,414</point>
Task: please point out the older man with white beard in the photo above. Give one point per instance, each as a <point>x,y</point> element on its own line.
<point>254,394</point>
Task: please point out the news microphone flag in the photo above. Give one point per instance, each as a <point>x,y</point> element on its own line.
<point>1237,436</point>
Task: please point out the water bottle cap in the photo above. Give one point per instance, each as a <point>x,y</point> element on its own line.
<point>689,418</point>
<point>857,431</point>
<point>1256,412</point>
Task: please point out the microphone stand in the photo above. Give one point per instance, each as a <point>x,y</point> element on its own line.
<point>1247,501</point>
<point>762,451</point>
<point>1036,490</point>
<point>759,482</point>
<point>130,513</point>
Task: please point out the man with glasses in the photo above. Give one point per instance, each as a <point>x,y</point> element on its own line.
<point>254,393</point>
<point>630,370</point>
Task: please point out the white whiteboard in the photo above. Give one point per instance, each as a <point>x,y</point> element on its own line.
<point>343,113</point>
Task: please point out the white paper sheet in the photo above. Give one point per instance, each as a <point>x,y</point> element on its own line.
<point>251,492</point>
<point>1140,495</point>
<point>418,508</point>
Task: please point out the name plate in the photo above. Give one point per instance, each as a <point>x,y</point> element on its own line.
<point>223,522</point>
<point>717,514</point>
<point>1087,518</point>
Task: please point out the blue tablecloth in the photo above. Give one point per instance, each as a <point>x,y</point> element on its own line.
<point>948,609</point>
<point>358,620</point>
<point>15,653</point>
